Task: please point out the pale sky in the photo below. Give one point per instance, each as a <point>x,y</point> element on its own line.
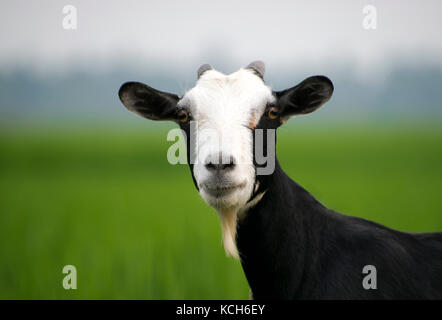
<point>181,33</point>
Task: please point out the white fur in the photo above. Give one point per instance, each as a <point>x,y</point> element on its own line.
<point>225,106</point>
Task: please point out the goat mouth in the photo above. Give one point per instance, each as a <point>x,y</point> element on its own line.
<point>220,190</point>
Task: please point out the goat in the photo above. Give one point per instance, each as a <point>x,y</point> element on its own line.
<point>290,246</point>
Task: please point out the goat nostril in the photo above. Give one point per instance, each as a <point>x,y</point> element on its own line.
<point>211,166</point>
<point>221,166</point>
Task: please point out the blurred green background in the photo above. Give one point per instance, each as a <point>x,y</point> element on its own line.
<point>83,182</point>
<point>107,201</point>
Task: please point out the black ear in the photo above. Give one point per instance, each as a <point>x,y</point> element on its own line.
<point>306,97</point>
<point>148,102</point>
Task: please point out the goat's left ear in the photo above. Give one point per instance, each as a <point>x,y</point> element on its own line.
<point>148,102</point>
<point>304,98</point>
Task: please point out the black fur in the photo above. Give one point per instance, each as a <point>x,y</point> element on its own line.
<point>148,102</point>
<point>186,129</point>
<point>292,247</point>
<point>305,97</point>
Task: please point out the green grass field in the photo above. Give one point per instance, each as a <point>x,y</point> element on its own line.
<point>108,202</point>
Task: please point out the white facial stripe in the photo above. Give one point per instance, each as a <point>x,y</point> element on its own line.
<point>228,106</point>
<point>226,99</point>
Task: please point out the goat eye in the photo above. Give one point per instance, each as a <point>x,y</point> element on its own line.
<point>183,116</point>
<point>273,113</point>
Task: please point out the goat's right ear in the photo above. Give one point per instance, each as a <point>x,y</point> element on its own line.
<point>148,102</point>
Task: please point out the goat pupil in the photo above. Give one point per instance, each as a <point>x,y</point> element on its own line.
<point>182,115</point>
<point>273,113</point>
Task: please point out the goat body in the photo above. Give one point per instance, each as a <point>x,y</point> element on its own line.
<point>292,247</point>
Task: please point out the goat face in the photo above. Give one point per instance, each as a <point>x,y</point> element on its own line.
<point>225,110</point>
<point>219,116</point>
